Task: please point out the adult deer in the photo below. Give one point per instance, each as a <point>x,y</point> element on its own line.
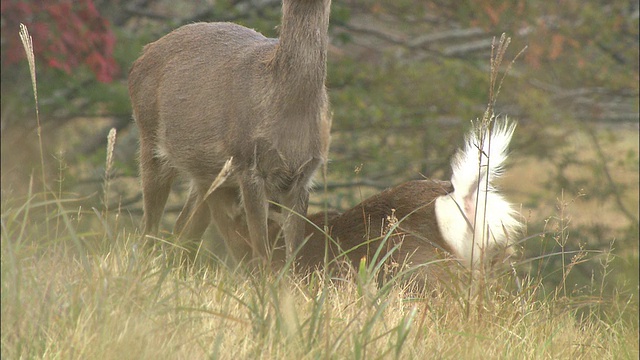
<point>208,92</point>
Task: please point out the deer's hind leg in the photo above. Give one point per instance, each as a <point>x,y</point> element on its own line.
<point>229,217</point>
<point>157,176</point>
<point>192,221</point>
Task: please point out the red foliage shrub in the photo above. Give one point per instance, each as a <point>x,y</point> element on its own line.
<point>66,34</point>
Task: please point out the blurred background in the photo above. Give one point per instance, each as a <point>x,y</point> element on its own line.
<point>405,78</point>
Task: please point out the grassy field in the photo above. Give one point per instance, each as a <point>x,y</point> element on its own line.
<point>77,285</point>
<point>74,286</point>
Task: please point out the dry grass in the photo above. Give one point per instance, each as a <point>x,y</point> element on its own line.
<point>59,301</point>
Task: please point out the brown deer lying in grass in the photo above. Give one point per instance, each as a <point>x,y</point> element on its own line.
<point>423,221</point>
<point>208,92</point>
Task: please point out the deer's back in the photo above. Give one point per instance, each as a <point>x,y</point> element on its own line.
<point>194,89</point>
<point>411,204</point>
<point>194,54</point>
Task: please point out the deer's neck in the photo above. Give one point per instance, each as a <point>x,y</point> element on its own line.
<point>302,50</point>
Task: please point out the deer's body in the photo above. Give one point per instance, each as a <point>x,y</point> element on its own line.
<point>210,91</point>
<point>401,219</point>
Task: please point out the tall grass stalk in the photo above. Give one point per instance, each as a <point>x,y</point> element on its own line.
<point>484,127</point>
<point>108,169</point>
<point>27,43</point>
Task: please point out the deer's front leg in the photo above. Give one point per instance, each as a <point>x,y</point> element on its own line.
<point>295,205</point>
<point>297,201</point>
<point>256,207</point>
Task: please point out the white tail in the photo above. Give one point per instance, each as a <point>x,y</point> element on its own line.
<point>208,92</point>
<point>475,214</point>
